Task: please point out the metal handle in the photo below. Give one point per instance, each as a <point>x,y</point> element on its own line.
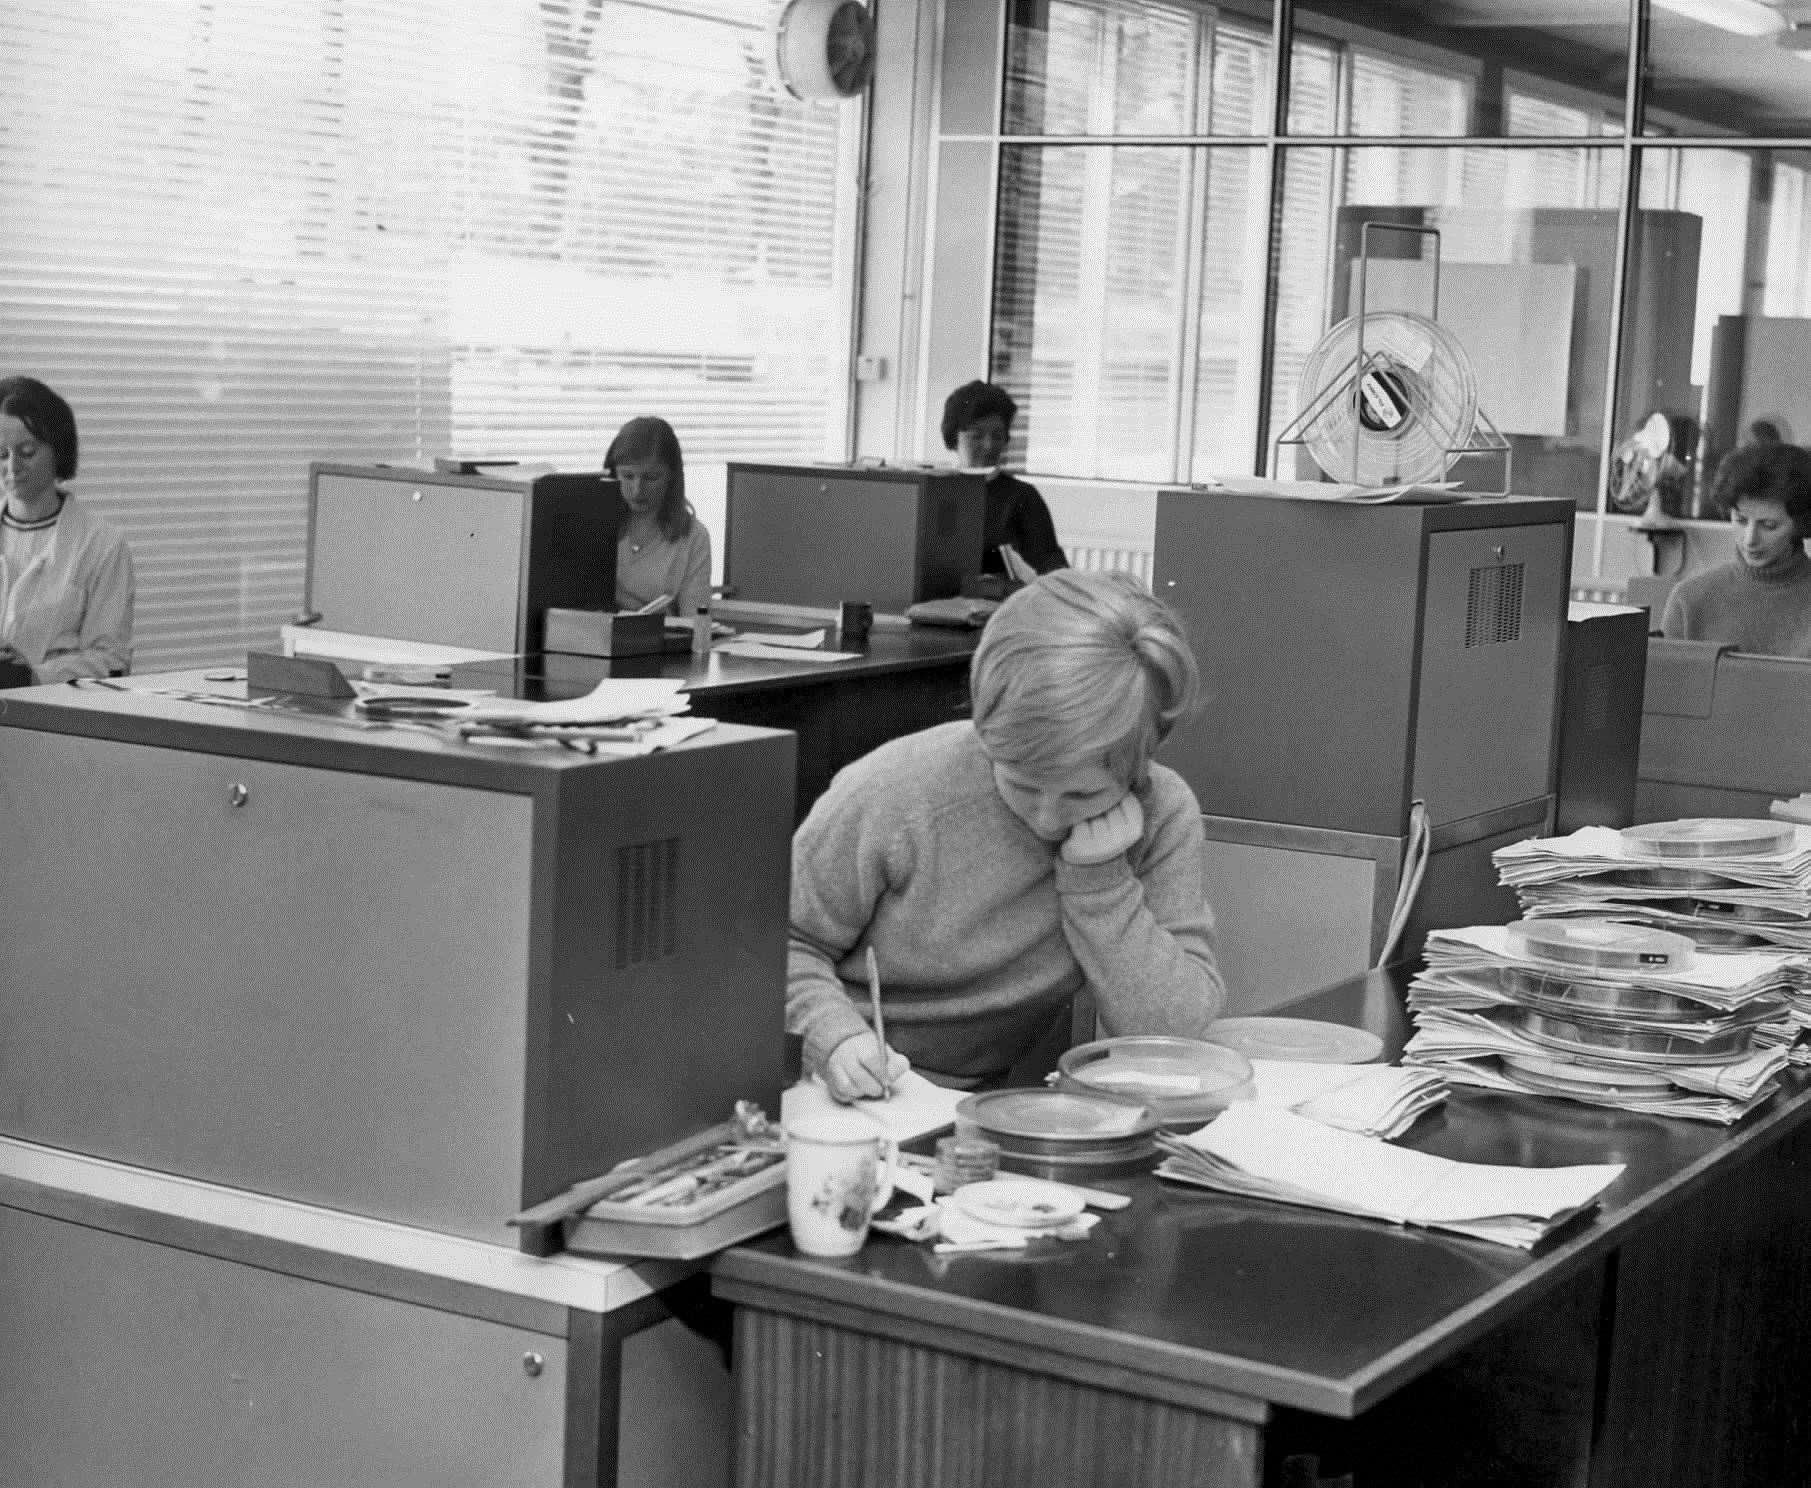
<point>237,794</point>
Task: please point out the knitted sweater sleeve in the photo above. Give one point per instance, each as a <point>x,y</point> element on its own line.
<point>1140,927</point>
<point>839,872</point>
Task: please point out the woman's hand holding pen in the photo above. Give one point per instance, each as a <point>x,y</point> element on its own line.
<point>860,1068</point>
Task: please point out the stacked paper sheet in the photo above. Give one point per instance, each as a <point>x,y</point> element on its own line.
<point>1253,1150</point>
<point>1678,1041</point>
<point>1721,901</point>
<point>1373,1100</point>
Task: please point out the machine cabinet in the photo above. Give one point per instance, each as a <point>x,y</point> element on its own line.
<point>386,974</point>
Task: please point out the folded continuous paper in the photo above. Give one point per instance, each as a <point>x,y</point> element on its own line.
<point>1373,1099</point>
<point>1253,1149</point>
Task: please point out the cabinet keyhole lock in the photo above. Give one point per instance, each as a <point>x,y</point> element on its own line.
<point>237,794</point>
<point>533,1364</point>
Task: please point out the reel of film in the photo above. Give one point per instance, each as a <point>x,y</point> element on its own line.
<point>1709,837</point>
<point>1601,946</point>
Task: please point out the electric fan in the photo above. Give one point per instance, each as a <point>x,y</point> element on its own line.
<point>1387,398</point>
<point>823,50</point>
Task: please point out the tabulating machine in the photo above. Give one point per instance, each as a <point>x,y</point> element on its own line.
<point>1357,660</point>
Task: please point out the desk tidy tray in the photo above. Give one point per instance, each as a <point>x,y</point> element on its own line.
<point>1183,1081</point>
<point>678,1203</point>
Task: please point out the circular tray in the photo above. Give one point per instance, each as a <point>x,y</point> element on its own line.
<point>1593,1079</point>
<point>1298,1039</point>
<point>1594,1039</point>
<point>1601,946</point>
<point>1569,996</point>
<point>1178,1080</point>
<point>1062,1133</point>
<point>1665,878</point>
<point>1709,837</point>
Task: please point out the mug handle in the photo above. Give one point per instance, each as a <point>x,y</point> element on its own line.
<point>883,1190</point>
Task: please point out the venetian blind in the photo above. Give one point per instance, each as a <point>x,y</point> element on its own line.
<point>382,230</point>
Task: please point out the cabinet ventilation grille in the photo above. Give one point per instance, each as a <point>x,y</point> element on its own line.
<point>647,902</point>
<point>1493,608</point>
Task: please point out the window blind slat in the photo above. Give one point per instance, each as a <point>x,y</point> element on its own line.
<point>369,230</point>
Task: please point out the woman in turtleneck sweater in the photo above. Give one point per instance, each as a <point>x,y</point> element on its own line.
<point>1762,601</point>
<point>977,424</point>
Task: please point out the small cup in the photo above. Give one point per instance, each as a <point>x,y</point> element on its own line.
<point>853,622</point>
<point>964,1159</point>
<point>839,1171</point>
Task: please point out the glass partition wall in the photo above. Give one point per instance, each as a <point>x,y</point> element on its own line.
<point>1177,222</point>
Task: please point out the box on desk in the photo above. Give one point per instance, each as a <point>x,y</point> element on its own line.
<point>604,633</point>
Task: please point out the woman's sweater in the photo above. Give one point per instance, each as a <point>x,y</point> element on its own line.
<point>982,931</point>
<point>1763,610</point>
<point>681,570</point>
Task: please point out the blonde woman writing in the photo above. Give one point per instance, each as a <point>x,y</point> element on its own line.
<point>999,867</point>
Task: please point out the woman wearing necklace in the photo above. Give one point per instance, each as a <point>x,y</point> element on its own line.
<point>661,546</point>
<point>1761,602</point>
<point>65,575</point>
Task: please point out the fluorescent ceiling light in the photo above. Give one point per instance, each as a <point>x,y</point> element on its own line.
<point>1744,17</point>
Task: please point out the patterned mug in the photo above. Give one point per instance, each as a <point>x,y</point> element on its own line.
<point>839,1171</point>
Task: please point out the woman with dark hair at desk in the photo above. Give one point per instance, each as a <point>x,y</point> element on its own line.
<point>977,424</point>
<point>1760,602</point>
<point>65,575</point>
<point>662,549</point>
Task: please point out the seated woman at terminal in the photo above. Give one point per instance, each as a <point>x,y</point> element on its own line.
<point>66,585</point>
<point>662,549</point>
<point>1761,602</point>
<point>977,423</point>
<point>999,867</point>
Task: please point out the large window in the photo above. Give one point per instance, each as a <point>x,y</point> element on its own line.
<point>384,230</point>
<point>1164,268</point>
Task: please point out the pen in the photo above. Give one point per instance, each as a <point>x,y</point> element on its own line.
<point>880,1023</point>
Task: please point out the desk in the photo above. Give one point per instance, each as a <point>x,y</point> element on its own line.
<point>1198,1339</point>
<point>905,681</point>
<point>165,1331</point>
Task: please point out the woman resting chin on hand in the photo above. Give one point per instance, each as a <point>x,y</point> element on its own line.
<point>999,867</point>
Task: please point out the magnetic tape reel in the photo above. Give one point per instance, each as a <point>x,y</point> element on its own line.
<point>1388,397</point>
<point>1709,837</point>
<point>1601,946</point>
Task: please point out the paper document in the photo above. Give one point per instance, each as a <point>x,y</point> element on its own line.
<point>612,699</point>
<point>1254,1150</point>
<point>1416,493</point>
<point>916,1108</point>
<point>758,651</point>
<point>811,640</point>
<point>1373,1099</point>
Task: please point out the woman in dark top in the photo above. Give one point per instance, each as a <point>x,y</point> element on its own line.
<point>977,423</point>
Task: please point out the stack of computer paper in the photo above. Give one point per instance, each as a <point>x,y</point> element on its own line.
<point>1374,1100</point>
<point>1727,884</point>
<point>1259,1152</point>
<point>1602,1012</point>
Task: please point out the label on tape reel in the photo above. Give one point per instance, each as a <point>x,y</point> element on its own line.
<point>1709,837</point>
<point>1600,945</point>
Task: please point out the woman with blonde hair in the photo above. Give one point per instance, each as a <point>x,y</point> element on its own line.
<point>999,867</point>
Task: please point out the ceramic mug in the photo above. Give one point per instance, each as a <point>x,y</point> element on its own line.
<point>839,1171</point>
